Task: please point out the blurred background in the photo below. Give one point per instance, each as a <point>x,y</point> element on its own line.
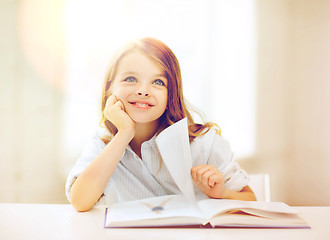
<point>258,68</point>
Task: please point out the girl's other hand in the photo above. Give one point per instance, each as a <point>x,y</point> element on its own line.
<point>115,112</point>
<point>209,180</point>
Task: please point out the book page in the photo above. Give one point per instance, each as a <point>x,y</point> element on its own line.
<point>174,147</point>
<point>242,220</point>
<point>213,207</point>
<point>141,211</point>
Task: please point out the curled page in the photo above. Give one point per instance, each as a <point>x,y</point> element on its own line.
<point>174,147</point>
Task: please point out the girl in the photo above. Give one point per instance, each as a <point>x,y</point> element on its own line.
<point>142,95</point>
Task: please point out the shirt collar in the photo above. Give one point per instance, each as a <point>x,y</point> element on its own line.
<point>151,143</point>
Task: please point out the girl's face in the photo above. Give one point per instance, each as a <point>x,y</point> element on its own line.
<point>142,87</point>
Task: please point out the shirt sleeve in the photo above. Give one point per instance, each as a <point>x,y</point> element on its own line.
<point>222,157</point>
<point>92,149</point>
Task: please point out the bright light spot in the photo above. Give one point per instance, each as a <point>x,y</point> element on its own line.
<point>69,44</point>
<point>41,32</point>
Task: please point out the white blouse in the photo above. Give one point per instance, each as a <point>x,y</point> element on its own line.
<point>135,178</point>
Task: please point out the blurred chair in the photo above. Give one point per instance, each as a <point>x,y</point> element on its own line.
<point>260,185</point>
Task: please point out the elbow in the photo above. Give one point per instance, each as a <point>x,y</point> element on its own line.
<point>81,209</point>
<point>80,204</point>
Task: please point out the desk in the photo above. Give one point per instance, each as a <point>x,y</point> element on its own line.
<point>61,221</point>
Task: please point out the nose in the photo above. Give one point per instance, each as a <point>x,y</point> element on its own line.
<point>143,90</point>
<point>140,93</point>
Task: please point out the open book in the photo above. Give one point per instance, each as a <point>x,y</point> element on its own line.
<point>184,210</point>
<point>173,211</point>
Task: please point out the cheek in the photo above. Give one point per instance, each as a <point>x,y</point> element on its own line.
<point>119,92</point>
<point>164,100</point>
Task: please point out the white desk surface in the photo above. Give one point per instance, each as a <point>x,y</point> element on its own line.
<point>61,221</point>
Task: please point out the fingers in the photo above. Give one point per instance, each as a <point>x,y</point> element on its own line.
<point>120,105</point>
<point>111,101</point>
<point>112,105</point>
<point>115,112</point>
<point>207,175</point>
<point>198,171</point>
<point>215,178</point>
<point>209,178</point>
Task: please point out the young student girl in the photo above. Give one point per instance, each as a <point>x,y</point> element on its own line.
<point>142,95</point>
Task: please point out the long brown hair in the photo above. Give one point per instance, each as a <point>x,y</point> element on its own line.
<point>176,107</point>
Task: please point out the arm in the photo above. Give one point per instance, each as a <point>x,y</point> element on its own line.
<point>210,181</point>
<point>89,186</point>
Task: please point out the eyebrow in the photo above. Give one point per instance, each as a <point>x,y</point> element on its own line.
<point>129,73</point>
<point>134,73</point>
<point>161,75</point>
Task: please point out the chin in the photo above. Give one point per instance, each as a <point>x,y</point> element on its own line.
<point>144,119</point>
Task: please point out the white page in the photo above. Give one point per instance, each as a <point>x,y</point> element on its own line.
<point>212,207</point>
<point>174,147</point>
<point>172,206</point>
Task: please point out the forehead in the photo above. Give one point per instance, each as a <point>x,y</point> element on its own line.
<point>136,61</point>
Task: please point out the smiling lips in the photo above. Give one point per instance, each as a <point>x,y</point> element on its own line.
<point>141,104</point>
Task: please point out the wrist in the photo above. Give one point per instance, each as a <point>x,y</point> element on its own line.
<point>227,193</point>
<point>126,133</point>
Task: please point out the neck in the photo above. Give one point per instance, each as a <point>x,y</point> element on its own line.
<point>143,132</point>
